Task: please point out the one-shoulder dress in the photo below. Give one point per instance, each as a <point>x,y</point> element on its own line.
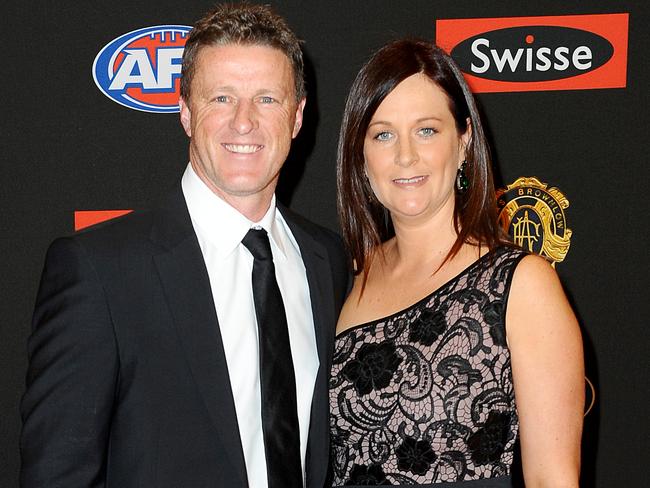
<point>425,396</point>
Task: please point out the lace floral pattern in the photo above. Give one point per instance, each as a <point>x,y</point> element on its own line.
<point>425,395</point>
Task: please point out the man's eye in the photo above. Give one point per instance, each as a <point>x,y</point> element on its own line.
<point>384,136</point>
<point>267,99</point>
<point>221,99</point>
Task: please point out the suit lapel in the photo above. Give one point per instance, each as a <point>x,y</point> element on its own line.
<point>187,289</point>
<point>317,265</point>
<point>316,261</point>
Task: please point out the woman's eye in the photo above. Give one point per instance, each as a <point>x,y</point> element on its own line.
<point>383,136</point>
<point>427,131</point>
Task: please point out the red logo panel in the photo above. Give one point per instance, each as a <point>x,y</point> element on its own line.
<point>510,54</point>
<point>86,218</point>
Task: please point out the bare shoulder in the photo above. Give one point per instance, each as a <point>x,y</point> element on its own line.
<point>537,298</point>
<point>535,283</point>
<point>533,272</point>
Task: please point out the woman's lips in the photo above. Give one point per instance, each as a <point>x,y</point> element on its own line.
<point>413,181</point>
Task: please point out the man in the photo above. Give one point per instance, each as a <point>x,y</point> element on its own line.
<point>151,352</point>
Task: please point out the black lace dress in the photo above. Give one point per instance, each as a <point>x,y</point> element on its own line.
<point>425,396</point>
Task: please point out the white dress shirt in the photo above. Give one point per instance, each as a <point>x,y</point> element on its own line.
<point>220,229</point>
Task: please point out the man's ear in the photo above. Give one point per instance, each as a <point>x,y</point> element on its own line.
<point>297,124</point>
<point>186,116</point>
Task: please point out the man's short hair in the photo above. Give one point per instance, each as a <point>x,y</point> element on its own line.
<point>243,24</point>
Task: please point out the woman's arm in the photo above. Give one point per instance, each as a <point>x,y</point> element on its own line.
<point>548,374</point>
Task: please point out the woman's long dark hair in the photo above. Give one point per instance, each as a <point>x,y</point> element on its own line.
<point>364,221</point>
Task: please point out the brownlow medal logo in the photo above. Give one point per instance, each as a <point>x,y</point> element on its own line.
<point>533,215</point>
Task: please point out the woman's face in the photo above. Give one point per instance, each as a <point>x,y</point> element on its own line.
<point>413,150</point>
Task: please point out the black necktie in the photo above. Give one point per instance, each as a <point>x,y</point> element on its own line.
<point>277,377</point>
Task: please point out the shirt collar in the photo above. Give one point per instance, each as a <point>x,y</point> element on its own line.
<point>222,224</point>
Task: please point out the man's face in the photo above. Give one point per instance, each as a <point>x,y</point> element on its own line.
<point>241,117</point>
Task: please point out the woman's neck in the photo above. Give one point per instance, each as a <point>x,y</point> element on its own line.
<point>419,245</point>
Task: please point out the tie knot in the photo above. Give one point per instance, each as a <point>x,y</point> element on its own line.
<point>257,242</point>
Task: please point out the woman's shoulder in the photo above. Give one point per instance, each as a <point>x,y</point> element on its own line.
<point>536,287</point>
<point>534,270</point>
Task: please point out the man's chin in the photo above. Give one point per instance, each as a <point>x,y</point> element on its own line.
<point>247,188</point>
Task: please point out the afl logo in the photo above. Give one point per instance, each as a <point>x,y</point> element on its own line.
<point>533,215</point>
<point>141,69</point>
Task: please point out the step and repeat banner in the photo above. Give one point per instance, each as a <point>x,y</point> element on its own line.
<point>92,132</point>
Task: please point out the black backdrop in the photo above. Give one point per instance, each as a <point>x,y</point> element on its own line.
<point>67,147</point>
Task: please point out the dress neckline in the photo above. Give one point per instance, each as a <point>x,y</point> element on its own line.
<point>423,299</point>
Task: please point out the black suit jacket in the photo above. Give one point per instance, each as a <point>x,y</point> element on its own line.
<point>127,383</point>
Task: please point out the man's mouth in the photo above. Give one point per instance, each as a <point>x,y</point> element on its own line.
<point>242,148</point>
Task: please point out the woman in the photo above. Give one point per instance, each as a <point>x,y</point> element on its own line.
<point>453,342</point>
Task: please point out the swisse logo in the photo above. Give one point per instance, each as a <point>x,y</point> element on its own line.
<point>141,69</point>
<point>538,53</point>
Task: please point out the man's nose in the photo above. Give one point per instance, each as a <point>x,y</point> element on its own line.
<point>244,119</point>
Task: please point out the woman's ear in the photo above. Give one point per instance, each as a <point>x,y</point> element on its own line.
<point>466,138</point>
